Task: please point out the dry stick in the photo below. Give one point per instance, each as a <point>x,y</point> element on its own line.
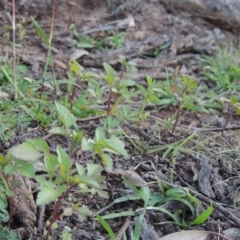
<point>41,218</point>
<point>177,117</point>
<point>179,110</point>
<point>123,229</point>
<point>141,132</point>
<point>229,116</point>
<point>218,129</point>
<point>212,129</point>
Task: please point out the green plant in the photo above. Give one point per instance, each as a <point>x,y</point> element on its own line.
<point>4,193</point>
<point>100,145</point>
<point>48,42</point>
<point>6,234</point>
<point>88,42</point>
<point>116,90</point>
<point>155,201</point>
<point>6,167</point>
<point>224,70</point>
<point>63,176</point>
<point>149,96</point>
<point>70,129</point>
<point>112,40</point>
<point>115,40</point>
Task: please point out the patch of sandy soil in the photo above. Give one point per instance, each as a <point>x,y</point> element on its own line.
<point>148,25</point>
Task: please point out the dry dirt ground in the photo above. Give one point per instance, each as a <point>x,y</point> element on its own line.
<point>148,25</point>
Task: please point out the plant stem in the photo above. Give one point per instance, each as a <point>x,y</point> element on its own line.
<point>14,49</point>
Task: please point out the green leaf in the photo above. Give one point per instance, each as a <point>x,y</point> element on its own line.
<point>59,131</point>
<point>191,83</point>
<point>64,160</point>
<point>93,191</point>
<point>233,100</point>
<point>48,194</point>
<point>125,198</point>
<point>154,99</point>
<point>127,83</point>
<point>80,169</point>
<point>175,192</point>
<point>51,164</point>
<point>156,198</point>
<point>174,217</point>
<point>186,202</point>
<point>83,213</point>
<point>135,190</point>
<point>120,214</point>
<point>114,144</point>
<point>141,88</point>
<point>110,74</point>
<point>66,116</point>
<point>100,134</point>
<point>106,226</point>
<point>3,160</point>
<point>41,33</point>
<point>107,161</point>
<point>26,151</point>
<point>166,101</point>
<point>9,157</point>
<point>27,170</point>
<point>54,226</point>
<point>9,169</point>
<point>138,226</point>
<point>88,180</point>
<point>76,67</point>
<point>87,144</point>
<point>66,235</point>
<point>94,169</point>
<point>3,208</point>
<point>67,211</point>
<point>149,80</point>
<point>203,216</point>
<point>81,101</point>
<point>77,137</point>
<point>145,194</point>
<point>98,149</point>
<point>40,144</point>
<point>59,179</point>
<point>44,182</point>
<point>84,45</point>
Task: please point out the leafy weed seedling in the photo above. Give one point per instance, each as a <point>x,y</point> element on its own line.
<point>110,41</point>
<point>155,201</point>
<point>224,70</point>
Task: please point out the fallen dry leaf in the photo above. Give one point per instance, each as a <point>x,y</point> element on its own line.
<point>187,235</point>
<point>131,176</point>
<point>78,54</point>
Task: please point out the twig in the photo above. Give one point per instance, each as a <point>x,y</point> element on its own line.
<point>41,218</point>
<point>216,129</point>
<point>141,132</point>
<point>122,230</point>
<point>179,110</point>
